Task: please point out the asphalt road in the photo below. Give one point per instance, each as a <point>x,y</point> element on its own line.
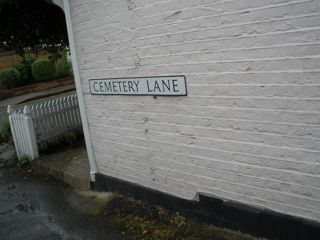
<point>40,208</point>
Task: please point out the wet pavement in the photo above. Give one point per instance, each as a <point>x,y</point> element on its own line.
<point>38,207</point>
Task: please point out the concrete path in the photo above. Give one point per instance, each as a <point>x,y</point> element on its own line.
<point>71,166</point>
<point>31,96</point>
<point>34,207</point>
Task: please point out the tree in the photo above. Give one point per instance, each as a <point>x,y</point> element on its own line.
<point>31,25</point>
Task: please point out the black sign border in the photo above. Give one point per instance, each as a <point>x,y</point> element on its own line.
<point>121,94</point>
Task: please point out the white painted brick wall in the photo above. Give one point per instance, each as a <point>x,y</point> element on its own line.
<point>249,129</point>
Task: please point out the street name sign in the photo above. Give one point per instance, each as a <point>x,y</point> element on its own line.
<point>155,86</point>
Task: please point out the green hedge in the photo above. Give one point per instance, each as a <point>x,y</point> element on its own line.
<point>31,70</point>
<point>23,74</point>
<point>43,70</point>
<point>9,78</point>
<point>27,62</point>
<point>63,67</point>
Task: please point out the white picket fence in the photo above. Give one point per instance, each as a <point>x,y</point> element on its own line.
<point>34,126</point>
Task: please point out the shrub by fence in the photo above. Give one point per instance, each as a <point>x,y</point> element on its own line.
<point>33,127</point>
<point>31,70</point>
<point>9,78</point>
<point>43,70</point>
<point>22,69</point>
<point>63,67</point>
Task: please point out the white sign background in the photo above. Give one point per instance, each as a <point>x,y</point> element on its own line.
<point>155,86</point>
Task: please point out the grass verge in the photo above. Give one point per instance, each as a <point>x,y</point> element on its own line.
<point>139,221</point>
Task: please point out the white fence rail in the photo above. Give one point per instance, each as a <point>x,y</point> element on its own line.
<point>34,126</point>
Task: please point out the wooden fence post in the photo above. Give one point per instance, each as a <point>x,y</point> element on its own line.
<point>30,133</point>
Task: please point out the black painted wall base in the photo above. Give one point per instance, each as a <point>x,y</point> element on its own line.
<point>248,219</point>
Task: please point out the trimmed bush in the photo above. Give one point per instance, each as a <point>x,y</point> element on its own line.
<point>63,67</point>
<point>23,74</point>
<point>27,62</point>
<point>43,70</point>
<point>9,77</point>
<point>22,70</point>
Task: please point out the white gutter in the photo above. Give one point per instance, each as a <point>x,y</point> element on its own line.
<point>65,5</point>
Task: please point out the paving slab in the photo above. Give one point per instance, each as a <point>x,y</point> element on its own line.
<point>71,166</point>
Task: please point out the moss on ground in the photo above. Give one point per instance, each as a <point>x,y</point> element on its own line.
<point>139,221</point>
<point>5,132</point>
